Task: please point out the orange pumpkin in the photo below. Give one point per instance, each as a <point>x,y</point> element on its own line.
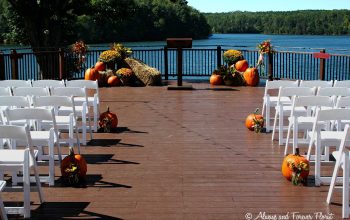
<point>295,168</point>
<point>241,65</point>
<point>92,74</point>
<point>216,80</point>
<point>251,76</point>
<point>100,66</point>
<point>108,121</point>
<point>255,122</point>
<point>114,81</point>
<point>73,168</point>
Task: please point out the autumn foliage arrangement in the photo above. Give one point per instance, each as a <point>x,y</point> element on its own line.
<point>295,168</point>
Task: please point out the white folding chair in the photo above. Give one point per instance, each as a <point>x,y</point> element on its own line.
<point>304,122</point>
<point>283,109</point>
<point>270,100</point>
<point>2,207</point>
<point>93,100</point>
<point>334,92</point>
<point>81,109</point>
<point>15,83</point>
<point>64,122</point>
<point>48,83</point>
<point>316,83</point>
<point>342,83</point>
<point>39,136</point>
<point>31,91</point>
<point>5,91</point>
<point>323,136</point>
<point>20,160</point>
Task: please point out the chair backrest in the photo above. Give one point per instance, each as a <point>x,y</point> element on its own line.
<point>48,83</point>
<point>333,91</point>
<point>296,91</point>
<point>5,91</point>
<point>88,84</point>
<point>343,102</point>
<point>54,101</point>
<point>31,91</point>
<point>276,84</point>
<point>15,132</point>
<point>315,83</point>
<point>343,83</point>
<point>15,83</point>
<point>14,101</point>
<point>30,114</point>
<point>329,115</point>
<point>69,91</point>
<point>310,102</point>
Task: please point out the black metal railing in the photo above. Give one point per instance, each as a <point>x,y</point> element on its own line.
<point>197,62</point>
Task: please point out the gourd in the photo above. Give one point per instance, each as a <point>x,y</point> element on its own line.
<point>108,121</point>
<point>100,66</point>
<point>216,79</point>
<point>73,168</point>
<point>255,121</point>
<point>92,74</point>
<point>241,65</point>
<point>114,81</point>
<point>251,76</point>
<point>295,168</point>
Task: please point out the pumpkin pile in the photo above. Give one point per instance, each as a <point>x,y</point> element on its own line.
<point>295,168</point>
<point>236,73</point>
<point>104,70</point>
<point>108,121</point>
<point>73,169</point>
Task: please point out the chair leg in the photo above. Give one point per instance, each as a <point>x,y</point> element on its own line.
<point>317,163</point>
<point>287,139</point>
<point>345,209</point>
<point>2,209</point>
<point>274,126</point>
<point>95,117</point>
<point>334,177</point>
<point>37,179</point>
<point>267,119</point>
<point>26,185</point>
<point>280,128</point>
<point>51,163</point>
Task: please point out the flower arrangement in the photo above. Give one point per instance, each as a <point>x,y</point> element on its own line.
<point>232,56</point>
<point>265,47</point>
<point>123,51</point>
<point>126,75</point>
<point>109,56</point>
<point>79,50</point>
<point>297,168</point>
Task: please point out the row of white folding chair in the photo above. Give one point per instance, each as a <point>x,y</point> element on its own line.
<point>287,92</point>
<point>19,160</point>
<point>40,137</point>
<point>270,101</point>
<point>93,101</point>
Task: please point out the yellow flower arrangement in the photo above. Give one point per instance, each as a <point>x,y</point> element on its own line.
<point>109,56</point>
<point>125,72</point>
<point>124,51</point>
<point>232,56</point>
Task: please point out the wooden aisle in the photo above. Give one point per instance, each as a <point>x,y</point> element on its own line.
<point>182,155</point>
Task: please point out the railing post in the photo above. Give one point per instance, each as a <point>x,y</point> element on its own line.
<point>179,66</point>
<point>322,66</point>
<point>14,56</point>
<point>166,69</point>
<point>2,66</point>
<point>218,56</point>
<point>61,63</point>
<point>270,69</point>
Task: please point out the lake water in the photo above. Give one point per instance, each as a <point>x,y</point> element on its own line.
<point>332,44</point>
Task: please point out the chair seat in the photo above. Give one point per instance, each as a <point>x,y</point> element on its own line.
<point>80,100</point>
<point>13,157</point>
<point>67,110</point>
<point>303,120</point>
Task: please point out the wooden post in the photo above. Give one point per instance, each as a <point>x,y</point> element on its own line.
<point>322,66</point>
<point>61,63</point>
<point>270,68</point>
<point>218,57</point>
<point>14,56</point>
<point>2,66</point>
<point>166,67</point>
<point>179,66</point>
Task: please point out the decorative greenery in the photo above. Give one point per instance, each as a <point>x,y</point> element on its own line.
<point>126,75</point>
<point>232,56</point>
<point>123,51</point>
<point>297,169</point>
<point>79,50</point>
<point>265,47</point>
<point>109,56</point>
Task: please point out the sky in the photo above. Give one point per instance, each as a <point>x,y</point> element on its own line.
<point>266,5</point>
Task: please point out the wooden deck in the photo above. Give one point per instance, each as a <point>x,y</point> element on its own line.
<point>182,155</point>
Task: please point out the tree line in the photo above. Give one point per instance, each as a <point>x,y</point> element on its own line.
<point>314,22</point>
<point>53,23</point>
